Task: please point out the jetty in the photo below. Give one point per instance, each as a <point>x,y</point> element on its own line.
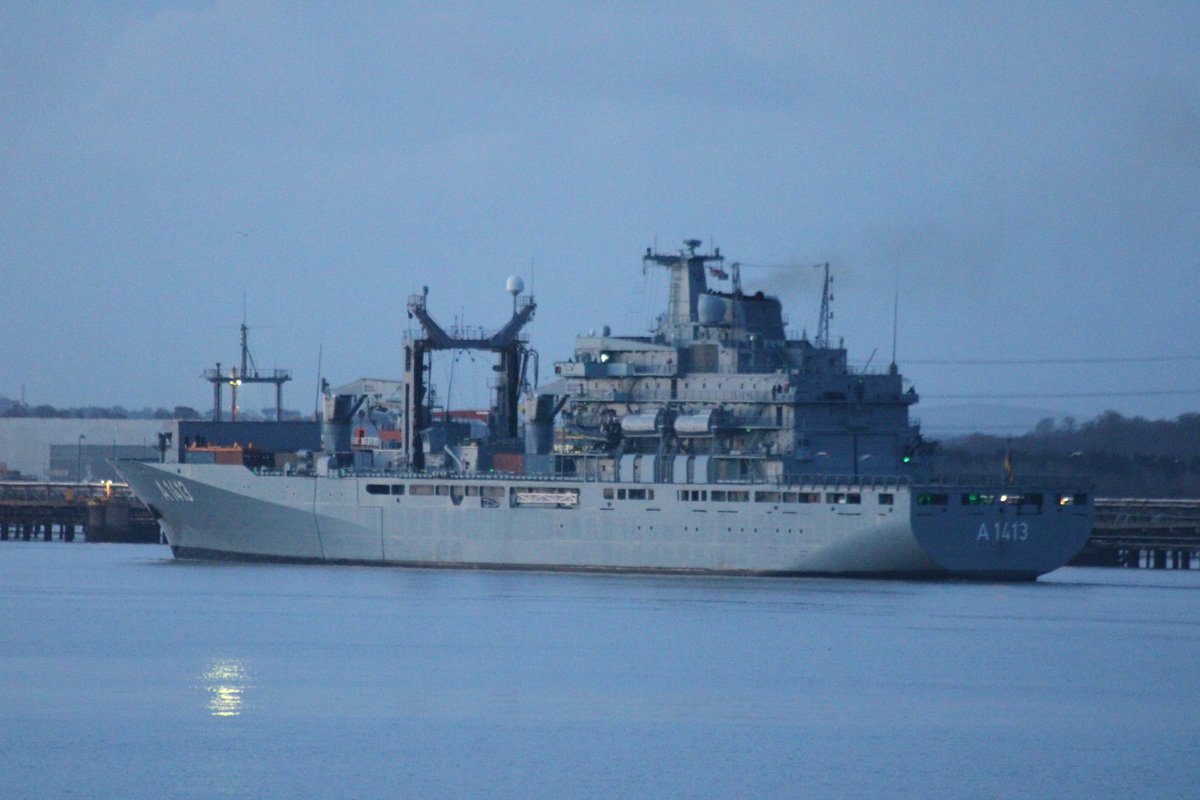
<point>1144,532</point>
<point>93,512</point>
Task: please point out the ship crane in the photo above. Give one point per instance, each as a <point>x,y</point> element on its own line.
<point>507,343</point>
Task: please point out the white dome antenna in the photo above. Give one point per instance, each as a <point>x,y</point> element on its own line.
<point>514,286</point>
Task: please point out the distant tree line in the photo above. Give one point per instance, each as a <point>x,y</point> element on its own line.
<point>21,410</point>
<point>13,408</point>
<point>1120,456</point>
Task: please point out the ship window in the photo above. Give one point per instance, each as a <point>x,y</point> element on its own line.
<point>377,488</point>
<point>739,497</point>
<point>718,495</point>
<point>494,492</point>
<point>637,494</point>
<point>975,499</point>
<point>608,494</point>
<point>854,498</point>
<point>649,494</point>
<point>835,497</point>
<point>620,494</point>
<point>886,498</point>
<point>397,488</point>
<point>443,490</point>
<point>789,497</point>
<point>1028,503</point>
<point>766,497</point>
<point>472,491</point>
<point>422,490</point>
<point>930,499</point>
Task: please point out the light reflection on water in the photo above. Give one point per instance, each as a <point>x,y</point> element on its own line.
<point>225,682</point>
<point>284,681</point>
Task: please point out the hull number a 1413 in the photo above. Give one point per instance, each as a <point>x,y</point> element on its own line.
<point>1003,532</point>
<point>175,490</point>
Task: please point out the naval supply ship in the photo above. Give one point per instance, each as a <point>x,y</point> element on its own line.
<point>715,444</point>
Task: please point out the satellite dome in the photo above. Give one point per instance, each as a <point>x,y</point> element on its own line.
<point>514,286</point>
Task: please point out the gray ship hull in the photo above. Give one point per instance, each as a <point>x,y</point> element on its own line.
<point>216,511</point>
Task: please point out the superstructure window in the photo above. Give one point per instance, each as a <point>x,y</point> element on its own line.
<point>397,488</point>
<point>886,498</point>
<point>377,488</point>
<point>422,490</point>
<point>932,499</point>
<point>1025,503</point>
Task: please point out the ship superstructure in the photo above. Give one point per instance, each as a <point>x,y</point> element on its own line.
<point>715,443</point>
<point>718,392</point>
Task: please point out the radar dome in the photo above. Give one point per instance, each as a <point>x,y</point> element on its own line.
<point>514,286</point>
<point>711,309</point>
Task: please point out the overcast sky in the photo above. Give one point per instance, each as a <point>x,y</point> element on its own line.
<point>1026,175</point>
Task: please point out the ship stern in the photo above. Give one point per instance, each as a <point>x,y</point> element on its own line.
<point>1008,533</point>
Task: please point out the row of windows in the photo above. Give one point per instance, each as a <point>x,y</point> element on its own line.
<point>629,494</point>
<point>686,495</point>
<point>980,499</point>
<point>734,496</point>
<point>439,490</point>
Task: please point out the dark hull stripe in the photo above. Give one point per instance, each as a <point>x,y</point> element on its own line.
<point>206,554</point>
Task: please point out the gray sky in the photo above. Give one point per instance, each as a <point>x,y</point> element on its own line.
<point>1028,175</point>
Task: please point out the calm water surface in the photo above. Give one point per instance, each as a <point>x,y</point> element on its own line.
<point>126,674</point>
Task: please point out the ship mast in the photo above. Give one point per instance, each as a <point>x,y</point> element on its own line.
<point>687,284</point>
<point>826,311</point>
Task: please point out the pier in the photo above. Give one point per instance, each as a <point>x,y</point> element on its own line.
<point>1147,533</point>
<point>94,512</point>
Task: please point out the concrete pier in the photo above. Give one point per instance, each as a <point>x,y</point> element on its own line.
<point>95,512</point>
<point>1145,534</point>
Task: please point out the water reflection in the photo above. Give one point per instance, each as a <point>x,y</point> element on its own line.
<point>225,682</point>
